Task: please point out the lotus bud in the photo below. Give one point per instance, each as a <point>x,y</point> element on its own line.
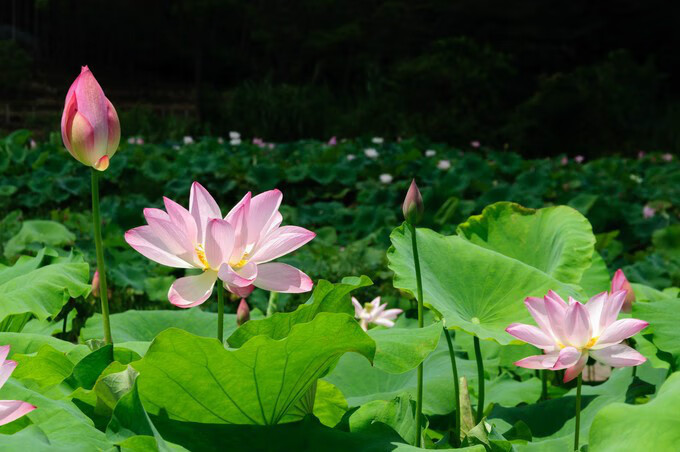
<point>95,284</point>
<point>89,125</point>
<point>243,312</point>
<point>413,207</point>
<point>620,282</point>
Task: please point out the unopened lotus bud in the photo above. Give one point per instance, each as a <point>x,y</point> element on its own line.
<point>243,312</point>
<point>413,207</point>
<point>95,284</point>
<point>89,125</point>
<point>620,282</point>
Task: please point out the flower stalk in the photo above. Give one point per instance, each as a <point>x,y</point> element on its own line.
<point>480,377</point>
<point>577,426</point>
<point>419,289</point>
<point>456,389</point>
<point>101,267</point>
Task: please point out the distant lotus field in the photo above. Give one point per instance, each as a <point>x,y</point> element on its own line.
<point>364,294</point>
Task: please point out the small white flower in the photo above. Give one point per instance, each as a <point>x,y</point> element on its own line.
<point>430,153</point>
<point>188,140</point>
<point>386,178</point>
<point>351,157</point>
<point>235,141</point>
<point>371,153</point>
<point>377,140</point>
<point>375,313</point>
<point>233,135</point>
<point>444,165</point>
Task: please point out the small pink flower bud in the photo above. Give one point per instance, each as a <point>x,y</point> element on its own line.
<point>89,125</point>
<point>620,282</point>
<point>413,207</point>
<point>95,284</point>
<point>243,312</point>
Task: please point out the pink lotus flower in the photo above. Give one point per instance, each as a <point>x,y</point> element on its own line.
<point>89,125</point>
<point>648,212</point>
<point>237,249</point>
<point>333,141</point>
<point>570,332</point>
<point>579,159</point>
<point>620,282</point>
<point>10,410</point>
<point>475,143</point>
<point>375,313</point>
<point>564,161</point>
<point>667,157</point>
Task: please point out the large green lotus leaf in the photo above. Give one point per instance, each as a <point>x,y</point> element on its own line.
<point>47,368</point>
<point>144,326</point>
<point>329,406</point>
<point>57,425</point>
<point>475,289</point>
<point>362,383</point>
<point>401,349</point>
<point>305,435</point>
<point>552,422</point>
<point>596,278</point>
<point>42,232</point>
<point>506,391</point>
<point>558,240</point>
<point>195,379</point>
<point>652,426</point>
<point>398,414</point>
<point>24,343</point>
<point>42,291</point>
<point>327,297</point>
<point>663,316</point>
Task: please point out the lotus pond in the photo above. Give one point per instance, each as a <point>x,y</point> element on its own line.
<point>360,294</point>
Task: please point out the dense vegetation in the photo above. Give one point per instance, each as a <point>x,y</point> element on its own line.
<point>281,384</point>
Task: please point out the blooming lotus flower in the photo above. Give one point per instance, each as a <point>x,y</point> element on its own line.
<point>648,212</point>
<point>235,141</point>
<point>620,282</point>
<point>89,125</point>
<point>233,135</point>
<point>579,159</point>
<point>430,153</point>
<point>188,140</point>
<point>333,141</point>
<point>237,249</point>
<point>475,144</point>
<point>570,332</point>
<point>667,157</point>
<point>259,142</point>
<point>10,410</point>
<point>375,313</point>
<point>371,153</point>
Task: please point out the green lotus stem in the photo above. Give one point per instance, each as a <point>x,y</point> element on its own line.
<point>544,384</point>
<point>456,389</point>
<point>220,312</point>
<point>480,377</point>
<point>271,305</point>
<point>577,426</point>
<point>101,267</point>
<point>419,288</point>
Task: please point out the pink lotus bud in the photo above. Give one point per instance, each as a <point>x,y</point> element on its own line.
<point>89,125</point>
<point>620,282</point>
<point>243,312</point>
<point>95,284</point>
<point>413,207</point>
